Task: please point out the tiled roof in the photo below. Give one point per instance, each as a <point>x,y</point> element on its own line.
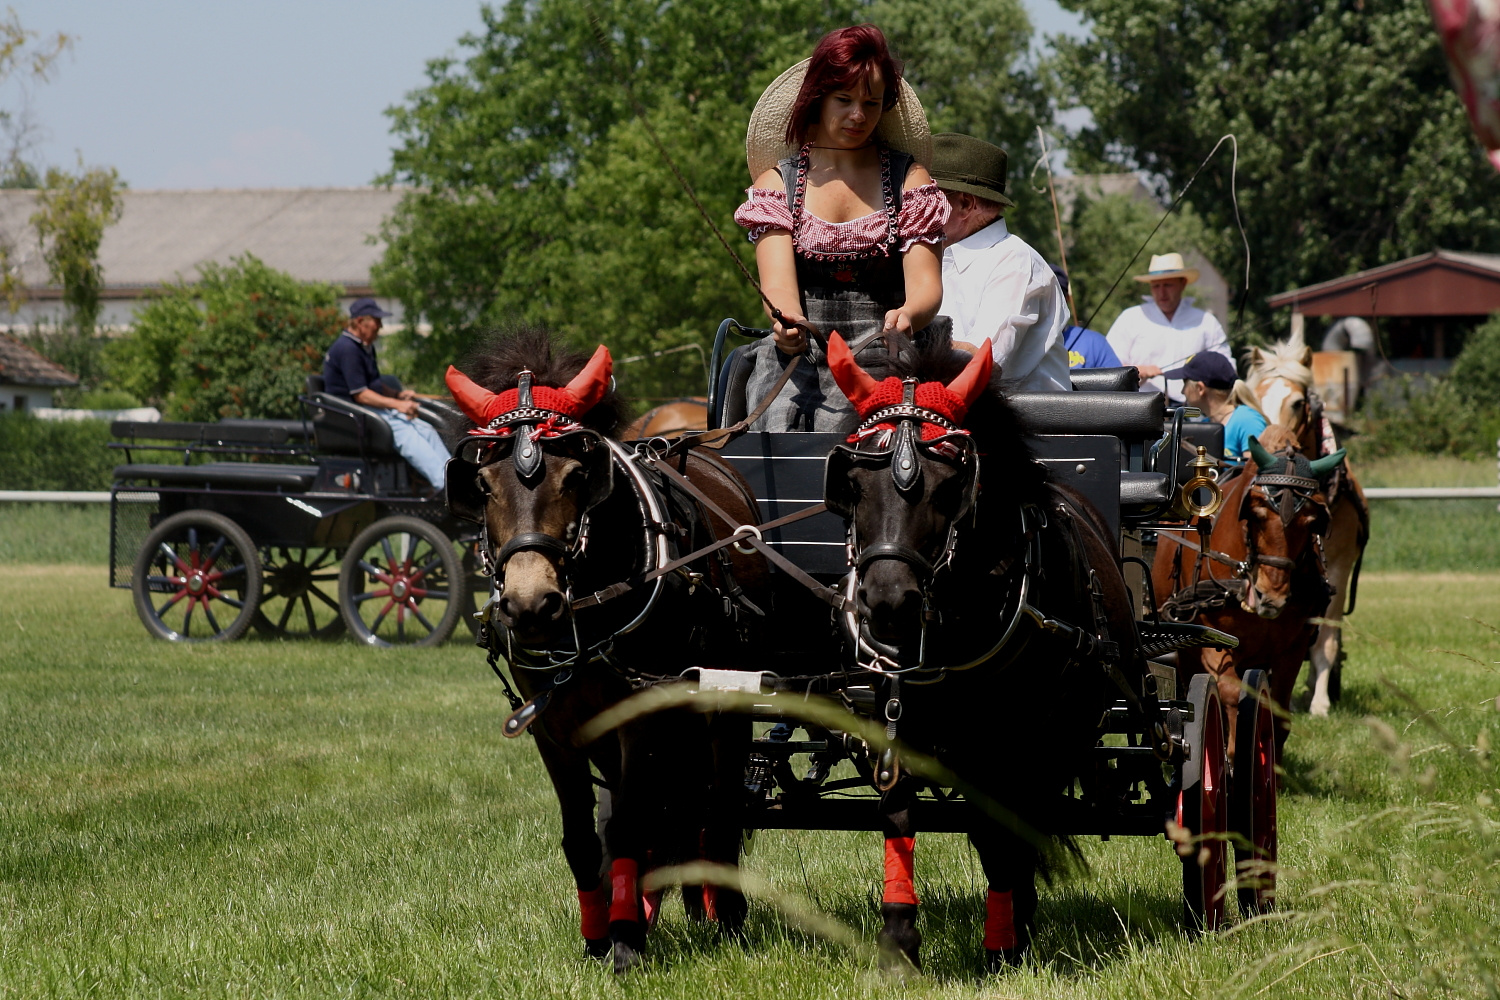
<point>315,234</point>
<point>20,365</point>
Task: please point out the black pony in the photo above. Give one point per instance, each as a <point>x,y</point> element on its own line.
<point>574,524</point>
<point>991,612</point>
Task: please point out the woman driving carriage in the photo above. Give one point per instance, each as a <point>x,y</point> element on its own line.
<point>846,221</point>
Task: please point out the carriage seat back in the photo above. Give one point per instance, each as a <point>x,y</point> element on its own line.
<point>1129,416</point>
<point>342,427</point>
<point>1126,379</point>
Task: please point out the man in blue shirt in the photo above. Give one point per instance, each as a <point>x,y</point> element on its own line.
<point>1086,348</point>
<point>1211,384</point>
<point>350,371</point>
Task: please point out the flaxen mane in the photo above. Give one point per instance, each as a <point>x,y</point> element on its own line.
<point>496,362</point>
<point>1282,359</point>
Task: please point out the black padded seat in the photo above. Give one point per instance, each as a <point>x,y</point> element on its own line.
<point>342,427</point>
<point>1144,489</point>
<point>1129,416</point>
<point>224,475</point>
<point>286,430</point>
<point>1126,379</point>
<point>733,375</point>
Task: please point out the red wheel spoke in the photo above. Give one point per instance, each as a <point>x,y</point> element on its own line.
<point>425,568</point>
<point>377,573</point>
<point>174,558</point>
<point>418,616</point>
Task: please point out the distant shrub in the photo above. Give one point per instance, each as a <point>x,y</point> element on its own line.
<point>1476,371</point>
<point>54,454</point>
<point>237,343</point>
<point>1435,419</point>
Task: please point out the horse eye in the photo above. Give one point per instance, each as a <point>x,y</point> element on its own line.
<point>1297,404</point>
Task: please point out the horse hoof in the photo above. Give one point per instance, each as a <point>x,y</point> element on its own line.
<point>900,941</point>
<point>1318,709</point>
<point>1003,959</point>
<point>629,940</point>
<point>596,947</point>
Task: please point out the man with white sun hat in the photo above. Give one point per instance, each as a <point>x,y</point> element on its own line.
<point>1166,329</point>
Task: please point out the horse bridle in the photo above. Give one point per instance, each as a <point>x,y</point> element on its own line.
<point>903,449</point>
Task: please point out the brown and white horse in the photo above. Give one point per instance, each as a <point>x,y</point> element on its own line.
<point>1280,377</point>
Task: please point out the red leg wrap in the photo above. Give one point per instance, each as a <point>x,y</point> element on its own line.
<point>898,871</point>
<point>711,902</point>
<point>651,905</point>
<point>622,881</point>
<point>999,921</point>
<point>594,905</point>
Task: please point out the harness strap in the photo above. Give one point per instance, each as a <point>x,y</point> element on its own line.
<point>894,550</point>
<point>1213,554</point>
<point>611,592</point>
<point>531,541</point>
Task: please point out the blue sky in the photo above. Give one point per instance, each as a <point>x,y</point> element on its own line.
<point>269,93</point>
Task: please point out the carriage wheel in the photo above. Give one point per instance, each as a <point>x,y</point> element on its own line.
<point>196,579</point>
<point>299,593</point>
<point>402,584</point>
<point>1253,792</point>
<point>1203,809</point>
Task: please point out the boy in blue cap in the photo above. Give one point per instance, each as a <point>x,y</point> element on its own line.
<point>1210,383</point>
<point>350,371</point>
<point>1086,348</point>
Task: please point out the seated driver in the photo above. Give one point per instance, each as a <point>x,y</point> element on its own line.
<point>350,372</point>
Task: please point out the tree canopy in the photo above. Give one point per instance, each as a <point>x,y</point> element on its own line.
<point>1354,149</point>
<point>538,196</point>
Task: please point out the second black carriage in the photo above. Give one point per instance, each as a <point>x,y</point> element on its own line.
<point>293,527</point>
<point>1160,767</point>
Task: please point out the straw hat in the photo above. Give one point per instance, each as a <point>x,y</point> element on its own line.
<point>903,127</point>
<point>1168,265</point>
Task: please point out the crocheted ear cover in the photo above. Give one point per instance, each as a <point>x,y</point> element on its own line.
<point>573,400</point>
<point>952,401</point>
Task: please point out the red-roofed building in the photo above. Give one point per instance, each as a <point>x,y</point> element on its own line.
<point>27,380</point>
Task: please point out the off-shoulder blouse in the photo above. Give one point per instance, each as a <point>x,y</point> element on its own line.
<point>924,210</point>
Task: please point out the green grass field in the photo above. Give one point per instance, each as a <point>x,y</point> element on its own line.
<point>314,819</point>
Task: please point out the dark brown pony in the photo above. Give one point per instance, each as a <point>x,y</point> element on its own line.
<point>990,613</point>
<point>671,419</point>
<point>568,512</point>
<point>1269,533</point>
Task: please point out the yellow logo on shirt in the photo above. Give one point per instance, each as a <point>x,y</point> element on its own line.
<point>1074,359</point>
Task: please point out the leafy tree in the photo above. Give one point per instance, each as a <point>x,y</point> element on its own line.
<point>1476,371</point>
<point>239,342</point>
<point>539,197</point>
<point>1354,150</point>
<point>72,214</point>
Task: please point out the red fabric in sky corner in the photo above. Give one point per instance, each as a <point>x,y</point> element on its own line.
<point>999,921</point>
<point>623,900</point>
<point>898,871</point>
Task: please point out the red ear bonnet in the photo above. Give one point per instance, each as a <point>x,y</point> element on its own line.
<point>951,401</point>
<point>574,400</point>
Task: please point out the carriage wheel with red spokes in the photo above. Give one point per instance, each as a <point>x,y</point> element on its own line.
<point>196,579</point>
<point>1203,809</point>
<point>1252,795</point>
<point>402,584</point>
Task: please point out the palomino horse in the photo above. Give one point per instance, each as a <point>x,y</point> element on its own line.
<point>1259,575</point>
<point>1280,378</point>
<point>568,511</point>
<point>671,419</point>
<point>1007,582</point>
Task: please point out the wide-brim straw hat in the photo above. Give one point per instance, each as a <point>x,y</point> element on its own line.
<point>903,127</point>
<point>1166,266</point>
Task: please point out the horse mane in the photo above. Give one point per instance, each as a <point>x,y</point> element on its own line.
<point>495,363</point>
<point>1282,359</point>
<point>996,426</point>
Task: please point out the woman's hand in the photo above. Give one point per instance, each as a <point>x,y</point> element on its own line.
<point>790,339</point>
<point>898,320</point>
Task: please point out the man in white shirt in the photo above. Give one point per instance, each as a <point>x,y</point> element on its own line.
<point>994,285</point>
<point>1166,329</point>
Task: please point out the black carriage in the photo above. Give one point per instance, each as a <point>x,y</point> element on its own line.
<point>293,527</point>
<point>1159,768</point>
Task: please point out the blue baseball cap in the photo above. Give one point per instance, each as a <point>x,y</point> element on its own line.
<point>367,307</point>
<point>1209,367</point>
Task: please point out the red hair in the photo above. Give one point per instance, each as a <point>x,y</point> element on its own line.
<point>843,59</point>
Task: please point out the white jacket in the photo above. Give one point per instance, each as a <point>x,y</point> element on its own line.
<point>996,286</point>
<point>1144,336</point>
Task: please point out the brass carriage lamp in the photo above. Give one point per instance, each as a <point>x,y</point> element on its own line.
<point>1204,477</point>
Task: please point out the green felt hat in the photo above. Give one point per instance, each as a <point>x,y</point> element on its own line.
<point>963,163</point>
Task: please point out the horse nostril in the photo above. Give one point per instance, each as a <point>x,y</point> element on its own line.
<point>552,606</point>
<point>508,610</point>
